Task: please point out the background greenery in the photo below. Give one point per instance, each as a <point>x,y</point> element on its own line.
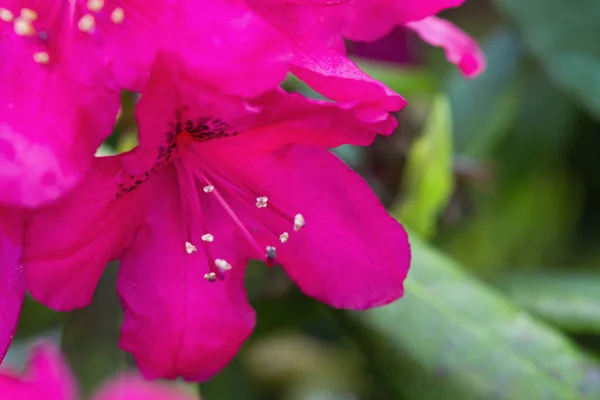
<point>497,180</point>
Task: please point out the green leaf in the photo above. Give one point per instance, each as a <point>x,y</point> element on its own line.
<point>454,337</point>
<point>570,300</point>
<point>428,177</point>
<point>409,82</point>
<point>90,336</point>
<point>563,35</point>
<point>484,109</point>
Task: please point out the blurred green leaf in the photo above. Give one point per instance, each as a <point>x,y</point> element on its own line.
<point>570,300</point>
<point>408,82</point>
<point>472,343</point>
<point>484,109</point>
<point>90,335</point>
<point>564,37</point>
<point>36,319</point>
<point>428,178</point>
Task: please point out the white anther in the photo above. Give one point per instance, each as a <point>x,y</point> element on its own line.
<point>208,188</point>
<point>299,222</point>
<point>41,57</point>
<point>261,202</point>
<point>95,5</point>
<point>23,27</point>
<point>222,264</point>
<point>6,15</point>
<point>284,237</point>
<point>190,248</point>
<point>28,14</point>
<point>211,277</point>
<point>87,23</point>
<point>208,237</point>
<point>118,15</point>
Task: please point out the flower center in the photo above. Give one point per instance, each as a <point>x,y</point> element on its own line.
<point>53,24</point>
<point>203,187</point>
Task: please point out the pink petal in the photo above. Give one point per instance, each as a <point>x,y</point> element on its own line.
<point>12,279</point>
<point>176,322</point>
<point>460,49</point>
<point>232,46</point>
<point>132,387</point>
<point>351,253</point>
<point>177,100</point>
<point>373,19</point>
<point>333,75</point>
<point>68,243</point>
<point>47,377</point>
<point>49,126</point>
<point>52,116</point>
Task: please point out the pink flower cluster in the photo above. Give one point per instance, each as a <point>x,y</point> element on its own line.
<point>229,166</point>
<point>47,377</point>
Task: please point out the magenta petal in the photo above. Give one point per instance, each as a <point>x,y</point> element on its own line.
<point>47,377</point>
<point>351,253</point>
<point>176,322</point>
<point>460,49</point>
<point>133,387</point>
<point>50,126</point>
<point>68,243</point>
<point>12,278</point>
<point>333,75</point>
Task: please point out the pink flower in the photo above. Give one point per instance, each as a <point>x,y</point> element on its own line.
<point>12,277</point>
<point>218,180</point>
<point>48,377</point>
<point>64,63</point>
<point>316,30</point>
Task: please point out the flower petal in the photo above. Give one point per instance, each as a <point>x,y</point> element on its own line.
<point>50,125</point>
<point>12,278</point>
<point>133,387</point>
<point>68,243</point>
<point>46,377</point>
<point>178,100</point>
<point>460,49</point>
<point>176,322</point>
<point>351,253</point>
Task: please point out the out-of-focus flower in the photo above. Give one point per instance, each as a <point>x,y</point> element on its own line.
<point>316,30</point>
<point>460,49</point>
<point>218,180</point>
<point>63,64</point>
<point>12,277</point>
<point>48,377</point>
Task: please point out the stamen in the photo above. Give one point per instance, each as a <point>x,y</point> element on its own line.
<point>284,237</point>
<point>118,15</point>
<point>41,57</point>
<point>211,277</point>
<point>299,222</point>
<point>190,248</point>
<point>28,14</point>
<point>87,23</point>
<point>261,202</point>
<point>222,264</point>
<point>208,188</point>
<point>271,253</point>
<point>6,15</point>
<point>23,27</point>
<point>95,5</point>
<point>208,237</point>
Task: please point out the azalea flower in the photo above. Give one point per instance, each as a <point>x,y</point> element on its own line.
<point>316,30</point>
<point>64,63</point>
<point>218,180</point>
<point>48,377</point>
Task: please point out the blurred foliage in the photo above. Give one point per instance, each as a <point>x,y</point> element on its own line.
<point>498,179</point>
